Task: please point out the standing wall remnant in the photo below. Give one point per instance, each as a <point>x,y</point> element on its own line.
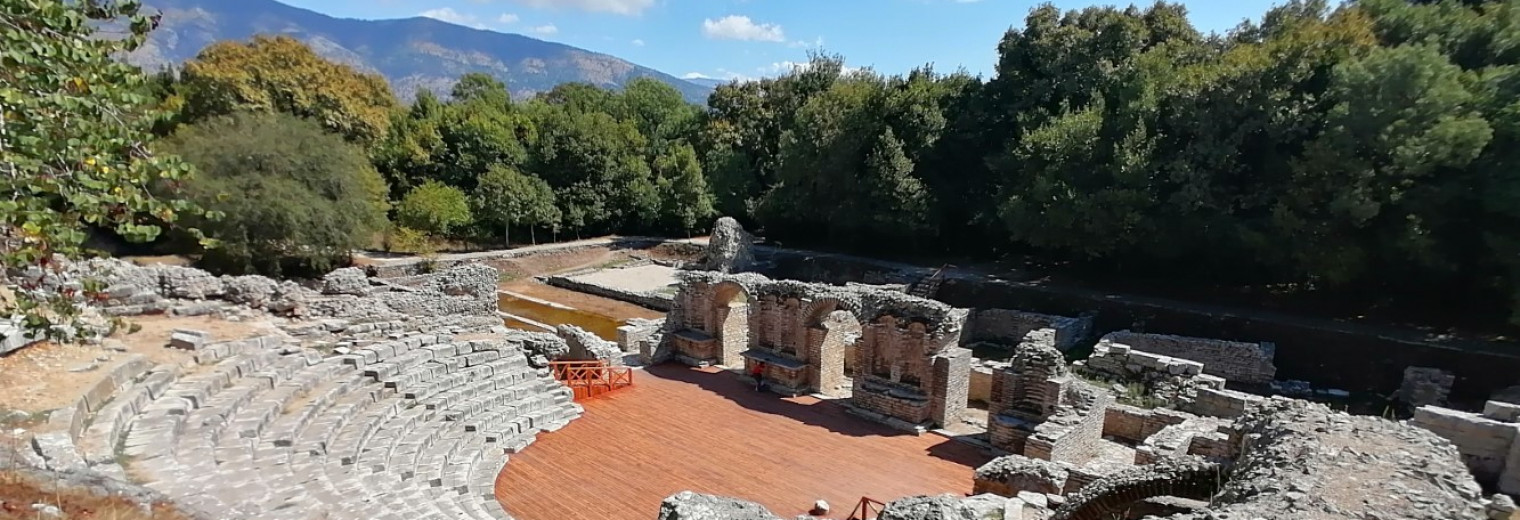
<point>1426,386</point>
<point>1489,442</point>
<point>1009,326</point>
<point>1232,360</point>
<point>907,364</point>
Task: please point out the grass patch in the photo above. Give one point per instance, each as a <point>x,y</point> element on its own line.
<point>22,419</point>
<point>19,491</point>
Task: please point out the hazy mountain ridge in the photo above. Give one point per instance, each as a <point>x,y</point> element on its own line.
<point>411,53</point>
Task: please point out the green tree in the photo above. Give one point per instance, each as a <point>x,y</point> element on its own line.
<point>434,207</point>
<point>74,146</point>
<point>595,164</point>
<point>684,198</point>
<point>282,74</point>
<point>292,195</point>
<point>481,87</point>
<point>505,197</point>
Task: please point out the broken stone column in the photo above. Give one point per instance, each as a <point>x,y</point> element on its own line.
<point>1424,386</point>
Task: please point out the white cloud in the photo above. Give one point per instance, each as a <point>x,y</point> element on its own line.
<point>625,7</point>
<point>544,29</point>
<point>449,15</point>
<point>638,43</point>
<point>723,75</point>
<point>733,27</point>
<point>507,19</point>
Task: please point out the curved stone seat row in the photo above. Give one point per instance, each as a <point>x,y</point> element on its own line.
<point>416,427</point>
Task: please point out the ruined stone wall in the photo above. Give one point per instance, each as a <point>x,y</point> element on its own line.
<point>1133,424</point>
<point>1075,434</point>
<point>980,387</point>
<point>585,346</point>
<point>634,335</point>
<point>1221,403</point>
<point>1286,471</point>
<point>1486,443</point>
<point>1008,326</point>
<point>468,290</point>
<point>1232,360</point>
<point>779,324</point>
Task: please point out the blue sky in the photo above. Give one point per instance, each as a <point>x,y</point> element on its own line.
<point>755,38</point>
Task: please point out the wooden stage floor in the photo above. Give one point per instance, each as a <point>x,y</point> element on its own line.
<point>680,429</point>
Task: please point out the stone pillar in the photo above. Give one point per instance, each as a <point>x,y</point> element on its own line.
<point>952,382</point>
<point>1509,479</point>
<point>733,335</point>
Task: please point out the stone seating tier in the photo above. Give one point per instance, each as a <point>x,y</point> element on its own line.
<point>416,427</point>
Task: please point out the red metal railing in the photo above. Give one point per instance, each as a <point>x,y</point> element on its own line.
<point>589,379</point>
<point>867,509</point>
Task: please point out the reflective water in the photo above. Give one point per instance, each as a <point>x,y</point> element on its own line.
<point>602,326</point>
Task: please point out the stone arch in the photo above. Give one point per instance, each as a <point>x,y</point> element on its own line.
<point>833,332</point>
<point>1112,496</point>
<point>729,319</point>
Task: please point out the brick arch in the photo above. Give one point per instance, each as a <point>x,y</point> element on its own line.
<point>833,330</point>
<point>1110,497</point>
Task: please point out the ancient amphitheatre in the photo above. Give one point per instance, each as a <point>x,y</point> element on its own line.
<point>621,386</point>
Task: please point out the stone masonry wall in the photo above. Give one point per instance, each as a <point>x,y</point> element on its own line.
<point>1232,360</point>
<point>1486,444</point>
<point>1075,435</point>
<point>1008,326</point>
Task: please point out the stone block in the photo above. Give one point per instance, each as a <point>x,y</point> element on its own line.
<point>188,339</point>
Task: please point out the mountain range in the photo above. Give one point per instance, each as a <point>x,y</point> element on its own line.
<point>412,53</point>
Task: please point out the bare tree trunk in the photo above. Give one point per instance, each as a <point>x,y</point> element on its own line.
<point>507,234</point>
<point>533,234</point>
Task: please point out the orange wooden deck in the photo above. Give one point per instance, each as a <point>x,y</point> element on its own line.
<point>681,429</point>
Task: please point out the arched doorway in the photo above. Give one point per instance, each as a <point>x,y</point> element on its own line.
<point>729,318</point>
<point>833,333</point>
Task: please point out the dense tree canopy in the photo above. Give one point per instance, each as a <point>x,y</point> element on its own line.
<point>1368,148</point>
<point>295,199</point>
<point>281,74</point>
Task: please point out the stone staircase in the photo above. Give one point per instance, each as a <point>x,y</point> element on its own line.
<point>414,427</point>
<point>927,286</point>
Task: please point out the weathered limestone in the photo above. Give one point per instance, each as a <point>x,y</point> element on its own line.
<point>1303,460</point>
<point>1009,475</point>
<point>467,290</point>
<point>979,507</point>
<point>638,335</point>
<point>585,346</point>
<point>687,505</point>
<point>1172,381</point>
<point>1489,442</point>
<point>730,249</point>
<point>1424,386</point>
<point>1232,360</point>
